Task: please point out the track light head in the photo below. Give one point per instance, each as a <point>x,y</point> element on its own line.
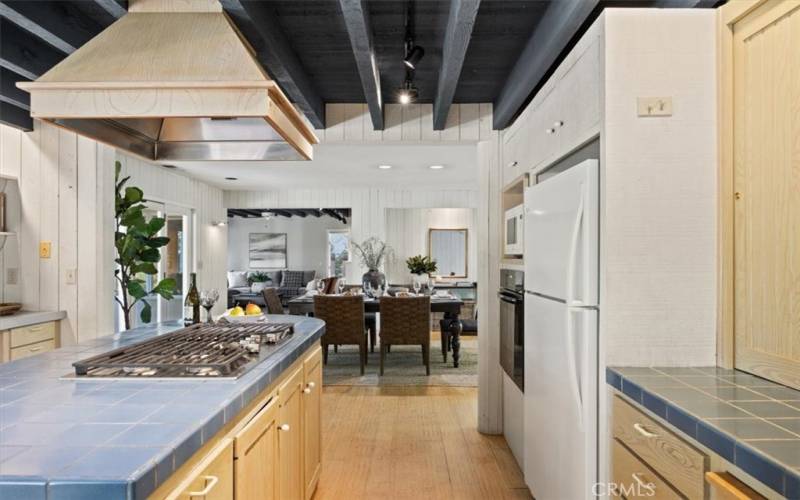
<point>414,56</point>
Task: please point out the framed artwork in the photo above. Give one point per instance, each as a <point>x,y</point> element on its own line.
<point>268,250</point>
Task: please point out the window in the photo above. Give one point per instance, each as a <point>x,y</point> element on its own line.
<point>338,251</point>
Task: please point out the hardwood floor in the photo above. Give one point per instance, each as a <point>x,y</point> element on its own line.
<point>411,443</point>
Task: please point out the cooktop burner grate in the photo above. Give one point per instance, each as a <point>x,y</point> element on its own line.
<point>196,351</point>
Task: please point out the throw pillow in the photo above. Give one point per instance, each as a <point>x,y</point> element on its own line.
<point>292,279</point>
<point>308,276</point>
<point>237,279</point>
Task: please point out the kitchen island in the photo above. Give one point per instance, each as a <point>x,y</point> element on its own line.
<point>63,437</point>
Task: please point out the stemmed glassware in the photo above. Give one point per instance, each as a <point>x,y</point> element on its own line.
<point>340,285</point>
<point>417,286</point>
<point>430,286</point>
<point>207,299</point>
<point>320,286</point>
<point>367,288</point>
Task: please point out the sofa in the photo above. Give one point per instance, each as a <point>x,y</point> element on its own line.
<point>289,284</point>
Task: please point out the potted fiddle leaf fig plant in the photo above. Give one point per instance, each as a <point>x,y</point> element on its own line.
<point>421,268</point>
<point>137,243</point>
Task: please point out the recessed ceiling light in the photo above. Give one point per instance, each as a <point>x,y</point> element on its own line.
<point>384,167</point>
<point>231,178</point>
<point>436,167</point>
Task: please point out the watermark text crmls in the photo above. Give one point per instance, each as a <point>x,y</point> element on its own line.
<point>635,489</point>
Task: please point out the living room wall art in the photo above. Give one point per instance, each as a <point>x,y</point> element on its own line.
<point>268,250</point>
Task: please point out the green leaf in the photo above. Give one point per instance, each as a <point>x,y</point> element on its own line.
<point>157,242</point>
<point>155,225</point>
<point>136,290</point>
<point>133,195</point>
<point>144,267</point>
<point>146,313</point>
<point>117,169</point>
<point>150,255</point>
<point>165,288</point>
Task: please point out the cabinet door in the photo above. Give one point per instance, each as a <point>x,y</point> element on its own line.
<point>290,437</point>
<point>256,456</point>
<point>312,414</point>
<point>213,477</point>
<point>767,193</point>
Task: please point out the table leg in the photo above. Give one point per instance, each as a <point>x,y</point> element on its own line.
<point>455,338</point>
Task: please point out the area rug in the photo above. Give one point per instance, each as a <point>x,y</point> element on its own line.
<point>403,366</point>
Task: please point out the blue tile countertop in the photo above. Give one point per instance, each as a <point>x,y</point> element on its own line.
<point>747,420</point>
<point>116,439</point>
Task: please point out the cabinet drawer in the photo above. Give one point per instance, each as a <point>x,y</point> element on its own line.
<point>32,349</point>
<point>634,479</point>
<point>32,334</point>
<point>212,479</point>
<point>725,486</point>
<point>675,460</point>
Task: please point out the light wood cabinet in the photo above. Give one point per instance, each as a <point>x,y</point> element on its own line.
<point>312,420</point>
<point>290,437</point>
<point>725,486</point>
<point>634,479</point>
<point>256,456</point>
<point>212,478</point>
<point>22,342</point>
<point>766,197</point>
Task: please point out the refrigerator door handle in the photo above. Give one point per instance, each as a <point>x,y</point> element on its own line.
<point>573,251</point>
<point>572,365</point>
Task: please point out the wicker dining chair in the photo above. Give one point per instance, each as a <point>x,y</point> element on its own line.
<point>406,321</point>
<point>344,323</point>
<point>272,300</point>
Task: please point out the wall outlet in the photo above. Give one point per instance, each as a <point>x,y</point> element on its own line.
<point>654,106</point>
<point>44,249</point>
<point>70,277</point>
<point>12,276</point>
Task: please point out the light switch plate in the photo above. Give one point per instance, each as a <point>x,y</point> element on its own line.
<point>44,249</point>
<point>12,276</point>
<point>654,106</point>
<point>70,278</point>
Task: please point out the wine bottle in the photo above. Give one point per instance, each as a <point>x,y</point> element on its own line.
<point>191,305</point>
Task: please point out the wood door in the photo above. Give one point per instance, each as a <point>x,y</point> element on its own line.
<point>766,59</point>
<point>256,456</point>
<point>312,421</point>
<point>290,437</point>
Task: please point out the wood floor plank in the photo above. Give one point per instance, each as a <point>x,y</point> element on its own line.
<point>410,443</point>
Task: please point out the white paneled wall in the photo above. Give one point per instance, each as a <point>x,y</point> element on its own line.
<point>406,124</point>
<point>368,206</point>
<point>407,233</point>
<point>66,197</point>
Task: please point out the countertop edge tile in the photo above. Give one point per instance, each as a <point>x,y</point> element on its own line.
<point>27,318</point>
<point>769,470</point>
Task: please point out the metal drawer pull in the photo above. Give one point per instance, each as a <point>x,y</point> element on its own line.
<point>34,349</point>
<point>644,432</point>
<point>284,427</point>
<point>212,481</point>
<point>648,486</point>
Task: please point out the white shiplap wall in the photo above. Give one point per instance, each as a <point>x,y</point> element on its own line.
<point>412,123</point>
<point>407,233</point>
<point>66,197</point>
<point>368,206</point>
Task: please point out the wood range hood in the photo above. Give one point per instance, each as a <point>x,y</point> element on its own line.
<point>173,80</point>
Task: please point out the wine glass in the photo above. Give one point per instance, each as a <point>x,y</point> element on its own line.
<point>417,286</point>
<point>340,285</point>
<point>430,286</point>
<point>207,299</point>
<point>320,286</point>
<point>367,288</point>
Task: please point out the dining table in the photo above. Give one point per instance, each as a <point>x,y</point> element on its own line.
<point>449,305</point>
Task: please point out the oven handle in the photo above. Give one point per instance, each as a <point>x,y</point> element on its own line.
<point>510,299</point>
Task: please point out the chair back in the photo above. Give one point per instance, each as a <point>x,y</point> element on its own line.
<point>272,300</point>
<point>343,317</point>
<point>330,285</point>
<point>405,320</point>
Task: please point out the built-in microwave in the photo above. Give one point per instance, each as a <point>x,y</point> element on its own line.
<point>514,231</point>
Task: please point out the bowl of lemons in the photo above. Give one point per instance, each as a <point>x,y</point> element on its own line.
<point>249,314</point>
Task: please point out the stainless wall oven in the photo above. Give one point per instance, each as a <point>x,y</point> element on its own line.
<point>512,324</point>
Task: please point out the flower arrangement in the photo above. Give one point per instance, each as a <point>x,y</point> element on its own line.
<point>372,252</point>
<point>420,264</point>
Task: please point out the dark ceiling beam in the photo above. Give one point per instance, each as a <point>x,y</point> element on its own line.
<point>257,23</point>
<point>315,213</point>
<point>359,28</point>
<point>61,24</point>
<point>24,53</point>
<point>685,4</point>
<point>15,117</point>
<point>460,22</point>
<point>10,93</point>
<point>299,213</point>
<point>115,8</point>
<point>560,23</point>
<point>335,214</point>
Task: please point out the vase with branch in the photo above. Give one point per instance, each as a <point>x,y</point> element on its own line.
<point>373,253</point>
<point>137,244</point>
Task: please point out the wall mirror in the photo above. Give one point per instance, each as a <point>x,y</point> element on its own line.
<point>448,247</point>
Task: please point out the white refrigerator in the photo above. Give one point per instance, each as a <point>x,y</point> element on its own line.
<point>561,334</point>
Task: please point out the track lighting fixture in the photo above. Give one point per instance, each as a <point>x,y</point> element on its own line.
<point>408,92</point>
<point>414,55</point>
